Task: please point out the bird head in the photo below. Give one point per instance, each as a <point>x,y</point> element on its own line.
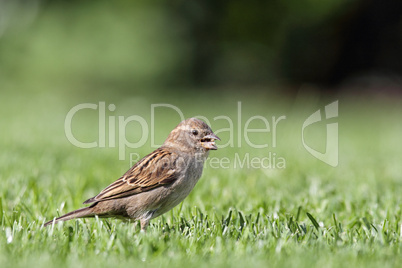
<point>192,134</point>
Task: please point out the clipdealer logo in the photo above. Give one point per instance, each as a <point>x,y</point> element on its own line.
<point>330,156</point>
<point>112,133</point>
<point>239,130</point>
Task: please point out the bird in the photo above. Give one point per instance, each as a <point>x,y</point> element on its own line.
<point>156,183</point>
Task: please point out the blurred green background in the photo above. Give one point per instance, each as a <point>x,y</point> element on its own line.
<point>275,58</point>
<point>136,46</point>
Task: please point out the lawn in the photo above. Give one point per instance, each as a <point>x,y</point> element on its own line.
<point>301,213</point>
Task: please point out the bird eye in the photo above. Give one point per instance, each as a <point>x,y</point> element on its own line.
<point>195,132</point>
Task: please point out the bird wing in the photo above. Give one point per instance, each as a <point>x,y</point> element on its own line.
<point>154,170</point>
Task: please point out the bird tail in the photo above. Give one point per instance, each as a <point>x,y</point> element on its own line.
<point>79,213</point>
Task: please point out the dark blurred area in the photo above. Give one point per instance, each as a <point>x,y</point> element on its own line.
<point>177,44</point>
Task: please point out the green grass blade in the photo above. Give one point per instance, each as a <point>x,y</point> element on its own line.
<point>315,223</point>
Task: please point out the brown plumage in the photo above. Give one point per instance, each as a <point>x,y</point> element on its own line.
<point>158,182</point>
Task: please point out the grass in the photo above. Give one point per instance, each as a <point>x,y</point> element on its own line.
<point>306,215</point>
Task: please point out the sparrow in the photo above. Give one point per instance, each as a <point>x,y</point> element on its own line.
<point>158,182</point>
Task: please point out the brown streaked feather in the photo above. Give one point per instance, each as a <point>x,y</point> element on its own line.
<point>154,170</point>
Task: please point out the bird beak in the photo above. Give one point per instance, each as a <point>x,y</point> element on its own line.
<point>208,141</point>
